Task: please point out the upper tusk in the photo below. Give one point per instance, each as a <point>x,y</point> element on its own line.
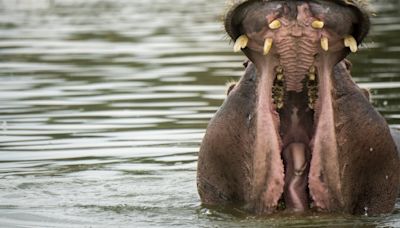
<point>241,43</point>
<point>325,43</point>
<point>267,45</point>
<point>318,24</point>
<point>350,42</point>
<point>275,24</point>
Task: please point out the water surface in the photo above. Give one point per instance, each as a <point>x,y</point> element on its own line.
<point>103,104</point>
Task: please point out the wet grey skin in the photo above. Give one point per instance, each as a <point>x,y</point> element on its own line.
<point>296,134</point>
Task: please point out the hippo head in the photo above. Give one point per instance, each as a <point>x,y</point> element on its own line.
<point>296,133</point>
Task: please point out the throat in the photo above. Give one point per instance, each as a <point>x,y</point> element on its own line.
<point>295,103</point>
<point>296,132</point>
<point>296,118</point>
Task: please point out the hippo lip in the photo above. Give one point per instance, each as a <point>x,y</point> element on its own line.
<point>295,48</point>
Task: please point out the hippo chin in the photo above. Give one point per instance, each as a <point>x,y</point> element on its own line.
<point>296,133</point>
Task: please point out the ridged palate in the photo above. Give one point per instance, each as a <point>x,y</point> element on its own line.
<point>296,56</point>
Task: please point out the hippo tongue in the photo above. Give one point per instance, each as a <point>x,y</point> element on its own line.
<point>293,47</point>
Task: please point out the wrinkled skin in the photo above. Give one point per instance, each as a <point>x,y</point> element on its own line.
<point>332,153</point>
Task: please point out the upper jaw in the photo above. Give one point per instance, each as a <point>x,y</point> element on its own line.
<point>298,45</point>
<point>296,36</point>
<point>233,16</point>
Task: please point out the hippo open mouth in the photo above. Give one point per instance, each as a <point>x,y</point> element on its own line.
<point>295,45</point>
<point>294,148</point>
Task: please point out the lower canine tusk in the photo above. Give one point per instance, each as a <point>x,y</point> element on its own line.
<point>241,43</point>
<point>350,42</point>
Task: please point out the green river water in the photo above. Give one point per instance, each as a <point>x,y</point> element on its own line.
<point>103,105</point>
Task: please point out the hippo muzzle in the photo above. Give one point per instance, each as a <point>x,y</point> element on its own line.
<point>296,133</point>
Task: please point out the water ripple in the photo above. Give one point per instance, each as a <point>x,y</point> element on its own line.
<point>104,103</point>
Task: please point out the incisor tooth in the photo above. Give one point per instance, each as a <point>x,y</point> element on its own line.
<point>325,43</point>
<point>267,45</point>
<point>279,105</point>
<point>351,43</point>
<point>279,69</point>
<point>275,24</point>
<point>311,77</point>
<point>318,24</point>
<point>313,69</point>
<point>241,43</point>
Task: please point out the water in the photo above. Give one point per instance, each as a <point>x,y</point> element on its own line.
<point>103,104</point>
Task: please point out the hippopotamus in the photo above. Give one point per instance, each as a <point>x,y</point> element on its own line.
<point>296,134</point>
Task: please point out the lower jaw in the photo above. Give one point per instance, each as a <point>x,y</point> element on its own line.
<point>297,115</point>
<point>300,183</point>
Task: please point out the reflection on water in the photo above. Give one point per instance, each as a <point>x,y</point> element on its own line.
<point>103,105</point>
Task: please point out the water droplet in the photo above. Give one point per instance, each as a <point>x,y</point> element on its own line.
<point>249,118</point>
<point>4,125</point>
<point>366,211</point>
<point>387,177</point>
<point>385,103</point>
<point>371,149</point>
<point>207,212</point>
